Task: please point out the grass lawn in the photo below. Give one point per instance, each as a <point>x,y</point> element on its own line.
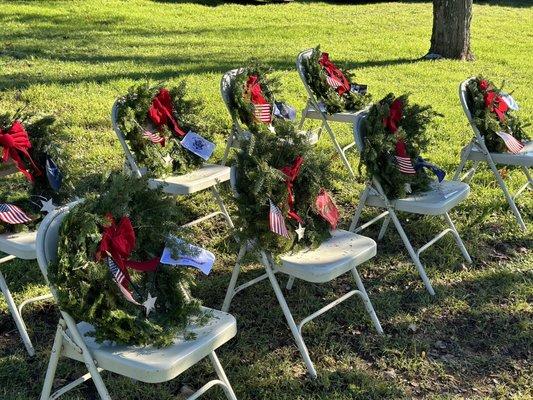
<point>473,340</point>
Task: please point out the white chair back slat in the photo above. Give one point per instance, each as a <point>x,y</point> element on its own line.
<point>357,130</point>
<point>305,55</point>
<point>464,103</point>
<point>122,139</point>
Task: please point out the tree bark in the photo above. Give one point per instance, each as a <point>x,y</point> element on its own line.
<point>450,37</point>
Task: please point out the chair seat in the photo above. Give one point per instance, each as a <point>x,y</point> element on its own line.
<point>437,201</point>
<point>523,159</point>
<point>332,258</point>
<point>20,245</point>
<point>154,365</point>
<point>346,117</point>
<point>205,177</point>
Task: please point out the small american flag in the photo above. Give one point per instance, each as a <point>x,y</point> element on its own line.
<point>263,113</point>
<point>154,137</point>
<point>120,279</point>
<point>13,215</point>
<point>512,144</point>
<point>276,221</point>
<point>405,165</point>
<point>333,82</point>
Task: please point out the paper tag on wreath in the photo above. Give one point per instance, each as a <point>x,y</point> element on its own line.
<point>201,259</point>
<point>198,145</point>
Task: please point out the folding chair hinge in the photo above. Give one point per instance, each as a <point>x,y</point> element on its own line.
<point>69,339</point>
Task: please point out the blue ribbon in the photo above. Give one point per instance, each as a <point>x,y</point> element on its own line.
<point>54,175</point>
<point>284,111</point>
<point>421,163</point>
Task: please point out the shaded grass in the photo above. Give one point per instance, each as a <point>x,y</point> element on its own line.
<point>72,58</point>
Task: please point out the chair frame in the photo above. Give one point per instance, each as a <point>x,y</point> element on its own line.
<point>478,142</point>
<point>67,333</point>
<point>134,168</point>
<point>312,110</point>
<point>374,186</point>
<point>16,311</point>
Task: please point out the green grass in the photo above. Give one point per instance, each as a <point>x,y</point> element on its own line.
<point>473,340</point>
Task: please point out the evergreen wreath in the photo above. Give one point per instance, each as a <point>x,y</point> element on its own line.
<point>481,95</point>
<point>259,180</point>
<point>380,145</point>
<point>335,100</point>
<point>88,290</point>
<point>240,104</point>
<point>153,144</point>
<point>45,168</point>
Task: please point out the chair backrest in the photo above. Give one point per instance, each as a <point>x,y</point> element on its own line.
<point>303,56</point>
<point>122,139</point>
<point>358,134</point>
<point>48,237</point>
<point>463,97</point>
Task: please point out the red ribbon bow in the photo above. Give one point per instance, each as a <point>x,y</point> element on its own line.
<point>160,112</point>
<point>392,122</point>
<point>118,241</point>
<point>496,104</point>
<point>291,173</point>
<point>254,91</point>
<point>16,140</point>
<point>327,208</point>
<point>333,71</point>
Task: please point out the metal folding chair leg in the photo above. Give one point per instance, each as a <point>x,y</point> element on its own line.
<point>458,239</point>
<point>288,316</point>
<point>384,227</point>
<point>366,301</point>
<point>412,253</point>
<point>222,206</point>
<point>228,390</point>
<point>21,326</point>
<point>230,292</point>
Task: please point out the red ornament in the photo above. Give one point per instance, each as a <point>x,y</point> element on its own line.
<point>160,112</point>
<point>327,209</point>
<point>118,241</point>
<point>15,141</point>
<point>483,84</point>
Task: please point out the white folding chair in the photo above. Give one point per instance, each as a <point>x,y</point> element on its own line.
<point>18,245</point>
<point>437,201</point>
<point>314,110</point>
<point>146,364</point>
<point>208,176</point>
<point>477,151</point>
<point>340,254</point>
<point>226,84</point>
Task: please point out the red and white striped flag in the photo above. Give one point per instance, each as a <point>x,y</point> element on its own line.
<point>276,221</point>
<point>263,113</point>
<point>512,144</point>
<point>120,279</point>
<point>405,165</point>
<point>333,82</point>
<point>154,137</point>
<point>13,215</point>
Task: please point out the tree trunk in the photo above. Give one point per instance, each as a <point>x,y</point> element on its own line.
<point>451,30</point>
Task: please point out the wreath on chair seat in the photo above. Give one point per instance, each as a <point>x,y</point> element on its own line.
<point>157,123</point>
<point>29,145</point>
<point>108,270</point>
<point>394,136</point>
<point>492,110</point>
<point>333,86</point>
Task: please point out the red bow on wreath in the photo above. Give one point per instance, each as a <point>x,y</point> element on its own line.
<point>15,141</point>
<point>118,241</point>
<point>496,104</point>
<point>334,72</point>
<point>160,112</point>
<point>391,122</point>
<point>291,173</point>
